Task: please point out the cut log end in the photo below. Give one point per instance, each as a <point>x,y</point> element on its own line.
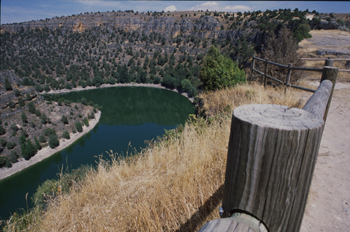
<point>276,116</point>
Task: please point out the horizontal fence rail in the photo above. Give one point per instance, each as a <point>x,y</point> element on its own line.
<point>286,83</point>
<point>329,58</point>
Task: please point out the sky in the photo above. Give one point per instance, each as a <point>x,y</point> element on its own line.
<point>27,10</point>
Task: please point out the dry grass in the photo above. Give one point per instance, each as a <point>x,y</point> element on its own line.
<point>254,93</point>
<point>173,185</point>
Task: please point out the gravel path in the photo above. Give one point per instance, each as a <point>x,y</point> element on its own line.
<point>328,206</point>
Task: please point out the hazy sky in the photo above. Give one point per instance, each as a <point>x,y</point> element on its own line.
<point>27,10</point>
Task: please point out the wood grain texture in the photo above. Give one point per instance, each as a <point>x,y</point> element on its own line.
<point>318,101</point>
<point>238,222</point>
<point>329,73</point>
<point>271,158</point>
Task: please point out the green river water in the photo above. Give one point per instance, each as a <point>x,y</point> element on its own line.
<point>130,115</point>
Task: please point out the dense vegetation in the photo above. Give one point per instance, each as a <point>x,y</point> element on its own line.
<point>64,58</point>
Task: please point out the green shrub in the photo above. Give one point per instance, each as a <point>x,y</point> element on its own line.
<point>64,119</point>
<point>2,130</point>
<point>31,107</point>
<point>3,142</point>
<point>28,149</point>
<point>17,92</point>
<point>37,144</point>
<point>79,126</point>
<point>66,134</point>
<point>7,84</point>
<point>8,163</point>
<point>84,101</point>
<point>49,131</point>
<point>10,145</point>
<point>53,141</point>
<point>42,139</point>
<point>14,127</point>
<point>44,118</point>
<point>86,121</point>
<point>24,117</point>
<point>219,71</point>
<point>37,113</point>
<point>2,161</point>
<point>13,158</point>
<point>302,32</point>
<point>21,102</point>
<point>186,85</point>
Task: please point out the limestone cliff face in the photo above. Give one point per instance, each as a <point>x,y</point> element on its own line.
<point>7,96</point>
<point>207,26</point>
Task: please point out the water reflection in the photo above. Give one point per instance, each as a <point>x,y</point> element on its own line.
<point>130,115</point>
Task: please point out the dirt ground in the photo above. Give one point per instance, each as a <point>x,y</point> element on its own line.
<point>328,206</point>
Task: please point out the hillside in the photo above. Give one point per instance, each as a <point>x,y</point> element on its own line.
<point>28,122</point>
<point>120,47</point>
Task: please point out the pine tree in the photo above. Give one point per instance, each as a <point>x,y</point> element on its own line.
<point>7,84</point>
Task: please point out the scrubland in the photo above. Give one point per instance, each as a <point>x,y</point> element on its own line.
<point>175,184</point>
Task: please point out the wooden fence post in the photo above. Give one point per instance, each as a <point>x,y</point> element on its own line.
<point>253,67</point>
<point>288,77</point>
<point>328,62</point>
<point>270,162</point>
<point>329,73</point>
<point>265,79</point>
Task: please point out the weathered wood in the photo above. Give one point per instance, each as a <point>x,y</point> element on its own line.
<point>238,222</point>
<point>271,157</point>
<point>287,84</point>
<point>329,73</point>
<point>265,79</point>
<point>328,62</point>
<point>253,67</point>
<point>318,101</point>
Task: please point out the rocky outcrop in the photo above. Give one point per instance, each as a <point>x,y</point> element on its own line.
<point>331,25</point>
<point>11,76</point>
<point>25,91</point>
<point>167,26</point>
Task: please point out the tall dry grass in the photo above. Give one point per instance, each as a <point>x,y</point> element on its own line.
<point>172,185</point>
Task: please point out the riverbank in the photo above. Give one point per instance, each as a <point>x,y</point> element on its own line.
<point>158,86</point>
<point>47,151</point>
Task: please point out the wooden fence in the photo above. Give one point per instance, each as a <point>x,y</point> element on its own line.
<point>271,157</point>
<point>328,72</point>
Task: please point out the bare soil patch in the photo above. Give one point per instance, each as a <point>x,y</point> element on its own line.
<point>328,206</point>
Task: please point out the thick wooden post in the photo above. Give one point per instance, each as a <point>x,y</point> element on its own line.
<point>271,157</point>
<point>316,104</point>
<point>328,62</point>
<point>253,67</point>
<point>265,78</point>
<point>329,73</point>
<point>288,77</point>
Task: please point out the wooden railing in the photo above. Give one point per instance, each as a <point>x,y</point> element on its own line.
<point>271,157</point>
<point>290,68</point>
<point>328,73</point>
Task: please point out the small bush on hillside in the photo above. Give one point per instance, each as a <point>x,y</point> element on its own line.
<point>49,131</point>
<point>3,142</point>
<point>28,149</point>
<point>10,145</point>
<point>37,144</point>
<point>53,141</point>
<point>86,121</point>
<point>42,139</point>
<point>79,126</point>
<point>2,130</point>
<point>64,119</point>
<point>65,134</point>
<point>220,72</point>
<point>31,107</point>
